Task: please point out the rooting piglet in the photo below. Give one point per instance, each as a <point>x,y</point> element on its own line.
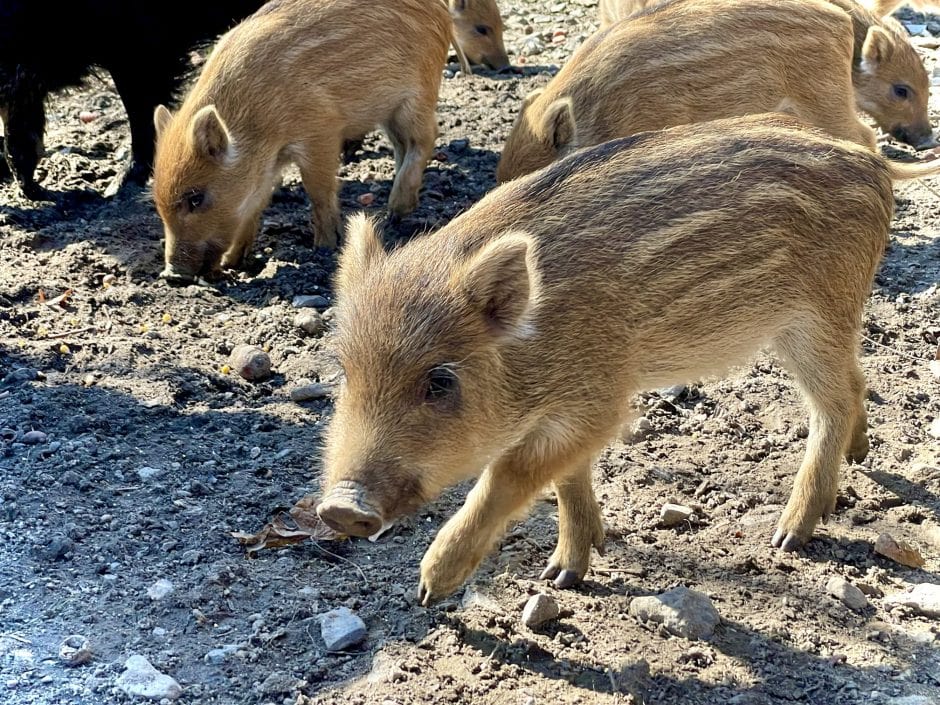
<point>291,84</point>
<point>465,351</point>
<point>694,60</point>
<point>478,30</point>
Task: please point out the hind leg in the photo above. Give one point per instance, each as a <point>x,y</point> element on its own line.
<point>412,131</point>
<point>825,365</point>
<point>24,125</point>
<point>318,162</point>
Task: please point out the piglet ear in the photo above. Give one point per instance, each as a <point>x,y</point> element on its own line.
<point>501,284</point>
<point>161,118</point>
<point>362,250</point>
<point>210,135</point>
<point>876,49</point>
<point>559,123</point>
<point>457,6</point>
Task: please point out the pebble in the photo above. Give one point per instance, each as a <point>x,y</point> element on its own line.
<point>845,592</point>
<point>681,611</point>
<point>310,301</point>
<point>674,514</point>
<point>309,392</point>
<point>366,199</point>
<point>309,321</point>
<point>898,551</point>
<point>32,438</point>
<point>912,700</point>
<point>142,680</point>
<point>250,362</point>
<point>531,46</point>
<point>160,589</point>
<point>220,655</point>
<point>924,599</point>
<point>539,609</point>
<point>75,650</point>
<point>340,629</point>
<point>87,116</point>
<point>148,473</point>
<point>934,429</point>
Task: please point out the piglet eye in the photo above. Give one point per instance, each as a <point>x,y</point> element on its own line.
<point>194,199</point>
<point>441,385</point>
<point>482,29</point>
<point>901,91</point>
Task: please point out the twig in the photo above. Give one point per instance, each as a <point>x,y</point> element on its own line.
<point>344,560</point>
<point>927,187</point>
<point>20,639</point>
<point>67,333</point>
<point>896,352</point>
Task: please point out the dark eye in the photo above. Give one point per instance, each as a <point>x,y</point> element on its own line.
<point>193,200</point>
<point>482,29</point>
<point>441,385</point>
<point>901,91</point>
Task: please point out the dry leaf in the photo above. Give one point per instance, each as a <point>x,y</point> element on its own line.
<point>298,525</point>
<point>898,551</point>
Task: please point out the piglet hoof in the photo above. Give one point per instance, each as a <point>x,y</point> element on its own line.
<point>562,577</point>
<point>35,192</point>
<point>858,451</point>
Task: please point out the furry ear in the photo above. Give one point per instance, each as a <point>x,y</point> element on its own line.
<point>161,118</point>
<point>457,6</point>
<point>363,248</point>
<point>558,123</point>
<point>530,98</point>
<point>210,135</point>
<point>501,283</point>
<point>876,49</point>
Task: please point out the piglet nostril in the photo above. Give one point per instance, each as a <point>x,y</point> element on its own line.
<point>346,518</point>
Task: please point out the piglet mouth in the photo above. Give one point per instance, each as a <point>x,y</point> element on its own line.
<point>347,510</point>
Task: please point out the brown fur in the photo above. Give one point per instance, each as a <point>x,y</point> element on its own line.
<point>610,11</point>
<point>694,60</point>
<point>735,234</point>
<point>290,84</point>
<point>478,29</point>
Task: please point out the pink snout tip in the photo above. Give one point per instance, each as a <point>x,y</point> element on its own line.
<point>347,516</point>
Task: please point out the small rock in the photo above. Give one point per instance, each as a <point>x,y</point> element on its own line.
<point>160,589</point>
<point>32,438</point>
<point>310,301</point>
<point>75,650</point>
<point>366,199</point>
<point>674,514</point>
<point>87,116</point>
<point>680,611</point>
<point>219,656</point>
<point>915,29</point>
<point>912,700</point>
<point>148,473</point>
<point>341,629</point>
<point>308,392</point>
<point>309,321</point>
<point>459,145</point>
<point>851,596</point>
<point>254,452</point>
<point>539,609</point>
<point>934,429</point>
<point>250,362</point>
<point>898,551</point>
<point>923,599</point>
<point>142,680</point>
<point>278,683</point>
<point>671,393</point>
<point>531,46</point>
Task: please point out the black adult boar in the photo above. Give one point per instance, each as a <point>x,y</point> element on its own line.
<point>46,46</point>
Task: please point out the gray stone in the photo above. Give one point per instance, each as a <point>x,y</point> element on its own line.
<point>310,301</point>
<point>309,321</point>
<point>221,655</point>
<point>160,589</point>
<point>539,609</point>
<point>32,438</point>
<point>142,680</point>
<point>912,700</point>
<point>341,629</point>
<point>148,473</point>
<point>923,599</point>
<point>309,392</point>
<point>851,596</point>
<point>683,612</point>
<point>674,514</point>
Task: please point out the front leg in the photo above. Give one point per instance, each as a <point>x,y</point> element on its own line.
<point>580,528</point>
<point>505,490</point>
